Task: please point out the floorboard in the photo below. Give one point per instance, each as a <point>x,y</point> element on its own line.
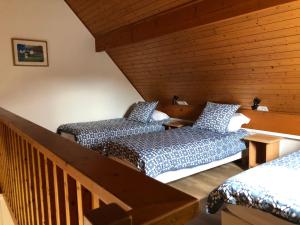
<point>199,186</point>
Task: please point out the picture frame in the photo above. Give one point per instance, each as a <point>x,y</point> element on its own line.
<point>29,52</point>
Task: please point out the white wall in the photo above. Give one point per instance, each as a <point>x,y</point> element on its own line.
<point>6,216</point>
<point>79,84</point>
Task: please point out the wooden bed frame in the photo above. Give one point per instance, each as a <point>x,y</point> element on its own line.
<point>240,215</point>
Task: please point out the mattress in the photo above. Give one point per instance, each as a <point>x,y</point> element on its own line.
<point>273,187</point>
<point>171,150</point>
<point>95,134</point>
<point>178,174</point>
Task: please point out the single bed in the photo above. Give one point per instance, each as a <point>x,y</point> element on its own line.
<point>173,150</point>
<point>94,135</point>
<point>270,191</point>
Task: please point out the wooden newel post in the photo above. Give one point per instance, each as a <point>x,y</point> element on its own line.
<point>111,214</point>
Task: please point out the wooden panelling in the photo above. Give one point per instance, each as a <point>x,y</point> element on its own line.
<point>286,123</point>
<point>273,121</point>
<point>187,16</point>
<point>101,16</point>
<point>233,60</point>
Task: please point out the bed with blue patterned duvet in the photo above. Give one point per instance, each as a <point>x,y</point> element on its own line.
<point>273,187</point>
<point>159,152</point>
<point>95,134</point>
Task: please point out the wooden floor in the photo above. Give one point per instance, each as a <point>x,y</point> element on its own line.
<point>199,186</point>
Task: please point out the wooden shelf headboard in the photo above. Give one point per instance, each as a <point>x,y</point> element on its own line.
<point>268,121</point>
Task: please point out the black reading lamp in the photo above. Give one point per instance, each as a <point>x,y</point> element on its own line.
<point>174,99</point>
<point>256,102</point>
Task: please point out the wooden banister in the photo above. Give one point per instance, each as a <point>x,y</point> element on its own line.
<point>49,180</point>
<point>111,214</point>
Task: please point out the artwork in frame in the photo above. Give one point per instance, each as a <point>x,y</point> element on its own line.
<point>28,52</point>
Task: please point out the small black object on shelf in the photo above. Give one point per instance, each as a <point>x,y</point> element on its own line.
<point>256,102</point>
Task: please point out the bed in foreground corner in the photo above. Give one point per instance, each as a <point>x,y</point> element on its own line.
<point>157,153</point>
<point>266,194</point>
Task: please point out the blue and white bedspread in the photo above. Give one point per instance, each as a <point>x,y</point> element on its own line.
<point>175,149</point>
<point>94,134</point>
<point>273,187</point>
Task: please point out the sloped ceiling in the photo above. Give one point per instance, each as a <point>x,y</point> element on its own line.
<point>102,16</point>
<point>225,50</point>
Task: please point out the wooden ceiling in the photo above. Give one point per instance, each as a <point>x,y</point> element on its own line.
<point>102,16</point>
<point>218,50</point>
<point>256,54</point>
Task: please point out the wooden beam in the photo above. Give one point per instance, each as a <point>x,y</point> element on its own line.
<point>180,18</point>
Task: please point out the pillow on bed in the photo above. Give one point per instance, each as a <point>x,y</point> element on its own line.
<point>216,117</point>
<point>158,116</point>
<point>142,111</point>
<point>237,121</point>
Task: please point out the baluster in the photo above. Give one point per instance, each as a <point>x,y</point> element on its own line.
<point>67,203</point>
<point>79,203</point>
<point>47,190</point>
<point>24,166</point>
<point>16,169</point>
<point>12,177</point>
<point>41,188</point>
<point>56,194</point>
<point>95,201</point>
<point>37,209</point>
<point>31,201</point>
<point>21,179</point>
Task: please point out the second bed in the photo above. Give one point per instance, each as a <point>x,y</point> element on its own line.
<point>181,151</point>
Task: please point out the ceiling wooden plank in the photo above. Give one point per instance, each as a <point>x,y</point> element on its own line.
<point>183,17</point>
<point>234,60</point>
<point>102,16</point>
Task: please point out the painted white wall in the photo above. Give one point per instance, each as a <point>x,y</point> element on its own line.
<point>6,217</point>
<point>79,84</point>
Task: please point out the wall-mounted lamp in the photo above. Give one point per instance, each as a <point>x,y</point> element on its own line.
<point>175,101</point>
<point>256,102</point>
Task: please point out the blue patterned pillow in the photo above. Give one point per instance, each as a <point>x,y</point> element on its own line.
<point>216,117</point>
<point>142,111</point>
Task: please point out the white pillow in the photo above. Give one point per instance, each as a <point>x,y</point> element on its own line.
<point>237,121</point>
<point>158,116</point>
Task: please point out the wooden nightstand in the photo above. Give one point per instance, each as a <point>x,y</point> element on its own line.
<point>262,148</point>
<point>177,123</point>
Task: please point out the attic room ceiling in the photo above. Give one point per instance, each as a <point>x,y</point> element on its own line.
<point>217,50</point>
<point>102,16</point>
<point>116,23</point>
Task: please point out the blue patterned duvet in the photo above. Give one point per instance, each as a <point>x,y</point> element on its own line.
<point>93,135</point>
<point>175,149</point>
<point>273,187</point>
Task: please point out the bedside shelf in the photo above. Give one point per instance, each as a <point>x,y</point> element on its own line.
<point>262,148</point>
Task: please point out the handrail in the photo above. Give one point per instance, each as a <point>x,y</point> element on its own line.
<point>49,180</point>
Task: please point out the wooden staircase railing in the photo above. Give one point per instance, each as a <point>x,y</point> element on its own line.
<point>49,180</point>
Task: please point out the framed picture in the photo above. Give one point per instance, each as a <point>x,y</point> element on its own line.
<point>28,52</point>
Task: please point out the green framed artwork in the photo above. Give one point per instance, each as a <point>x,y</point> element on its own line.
<point>27,52</point>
